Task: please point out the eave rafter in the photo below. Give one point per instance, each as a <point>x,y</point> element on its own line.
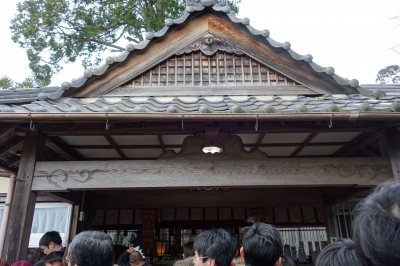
<point>115,147</point>
<point>363,145</point>
<point>10,145</point>
<point>60,147</point>
<point>356,144</point>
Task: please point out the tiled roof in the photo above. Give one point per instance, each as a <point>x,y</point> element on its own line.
<point>130,47</point>
<point>388,89</point>
<point>13,95</point>
<point>226,104</point>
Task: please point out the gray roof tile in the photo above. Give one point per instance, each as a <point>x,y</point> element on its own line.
<point>201,104</point>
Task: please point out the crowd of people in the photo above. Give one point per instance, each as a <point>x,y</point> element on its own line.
<point>376,242</point>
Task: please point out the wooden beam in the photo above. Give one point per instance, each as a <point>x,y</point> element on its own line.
<point>334,196</point>
<point>315,144</point>
<point>44,156</point>
<point>120,159</point>
<point>392,145</point>
<point>11,145</point>
<point>115,147</point>
<point>161,143</point>
<point>72,197</point>
<point>169,128</point>
<point>260,138</point>
<point>305,143</point>
<point>60,147</point>
<point>184,198</point>
<point>21,215</point>
<point>14,161</point>
<point>382,140</point>
<point>371,151</point>
<point>356,145</point>
<point>61,176</point>
<point>257,145</point>
<point>5,130</point>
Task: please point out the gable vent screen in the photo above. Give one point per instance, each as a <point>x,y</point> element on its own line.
<point>220,69</point>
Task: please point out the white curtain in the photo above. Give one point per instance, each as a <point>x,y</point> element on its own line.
<point>50,219</point>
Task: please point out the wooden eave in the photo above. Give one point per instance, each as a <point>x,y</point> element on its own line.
<point>220,26</point>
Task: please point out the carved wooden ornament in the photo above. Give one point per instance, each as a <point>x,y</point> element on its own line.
<point>232,146</point>
<point>209,45</point>
<point>193,173</point>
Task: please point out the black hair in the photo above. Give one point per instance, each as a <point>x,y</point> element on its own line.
<point>91,248</point>
<point>216,244</point>
<point>339,253</point>
<point>287,261</point>
<point>51,236</point>
<point>376,226</point>
<point>53,257</point>
<point>262,245</point>
<point>188,250</point>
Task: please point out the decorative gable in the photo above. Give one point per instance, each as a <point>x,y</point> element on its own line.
<point>212,63</point>
<point>220,53</point>
<point>219,69</point>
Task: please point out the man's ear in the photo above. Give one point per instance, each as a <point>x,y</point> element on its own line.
<point>212,262</point>
<point>278,262</point>
<point>242,253</point>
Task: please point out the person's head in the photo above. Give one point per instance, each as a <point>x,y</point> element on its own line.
<point>188,250</point>
<point>53,259</point>
<point>262,245</point>
<point>22,263</point>
<point>135,259</point>
<point>50,241</point>
<point>339,253</point>
<point>214,247</point>
<point>287,261</point>
<point>376,226</point>
<point>91,248</point>
<point>3,262</point>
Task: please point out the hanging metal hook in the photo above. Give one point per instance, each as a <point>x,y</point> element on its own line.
<point>107,124</point>
<point>330,122</point>
<point>31,125</point>
<point>182,121</point>
<point>256,126</point>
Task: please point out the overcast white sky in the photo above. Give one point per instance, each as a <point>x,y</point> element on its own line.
<point>353,36</point>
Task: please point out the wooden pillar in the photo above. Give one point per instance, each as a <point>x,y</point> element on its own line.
<point>330,224</point>
<point>23,205</point>
<point>148,226</point>
<point>178,237</point>
<point>74,223</point>
<point>390,144</point>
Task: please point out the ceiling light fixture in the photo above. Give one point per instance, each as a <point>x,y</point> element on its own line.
<point>212,148</point>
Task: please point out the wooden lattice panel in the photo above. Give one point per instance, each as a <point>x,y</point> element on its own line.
<point>220,69</point>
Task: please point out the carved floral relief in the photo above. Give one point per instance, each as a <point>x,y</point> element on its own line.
<point>209,45</point>
<point>262,170</point>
